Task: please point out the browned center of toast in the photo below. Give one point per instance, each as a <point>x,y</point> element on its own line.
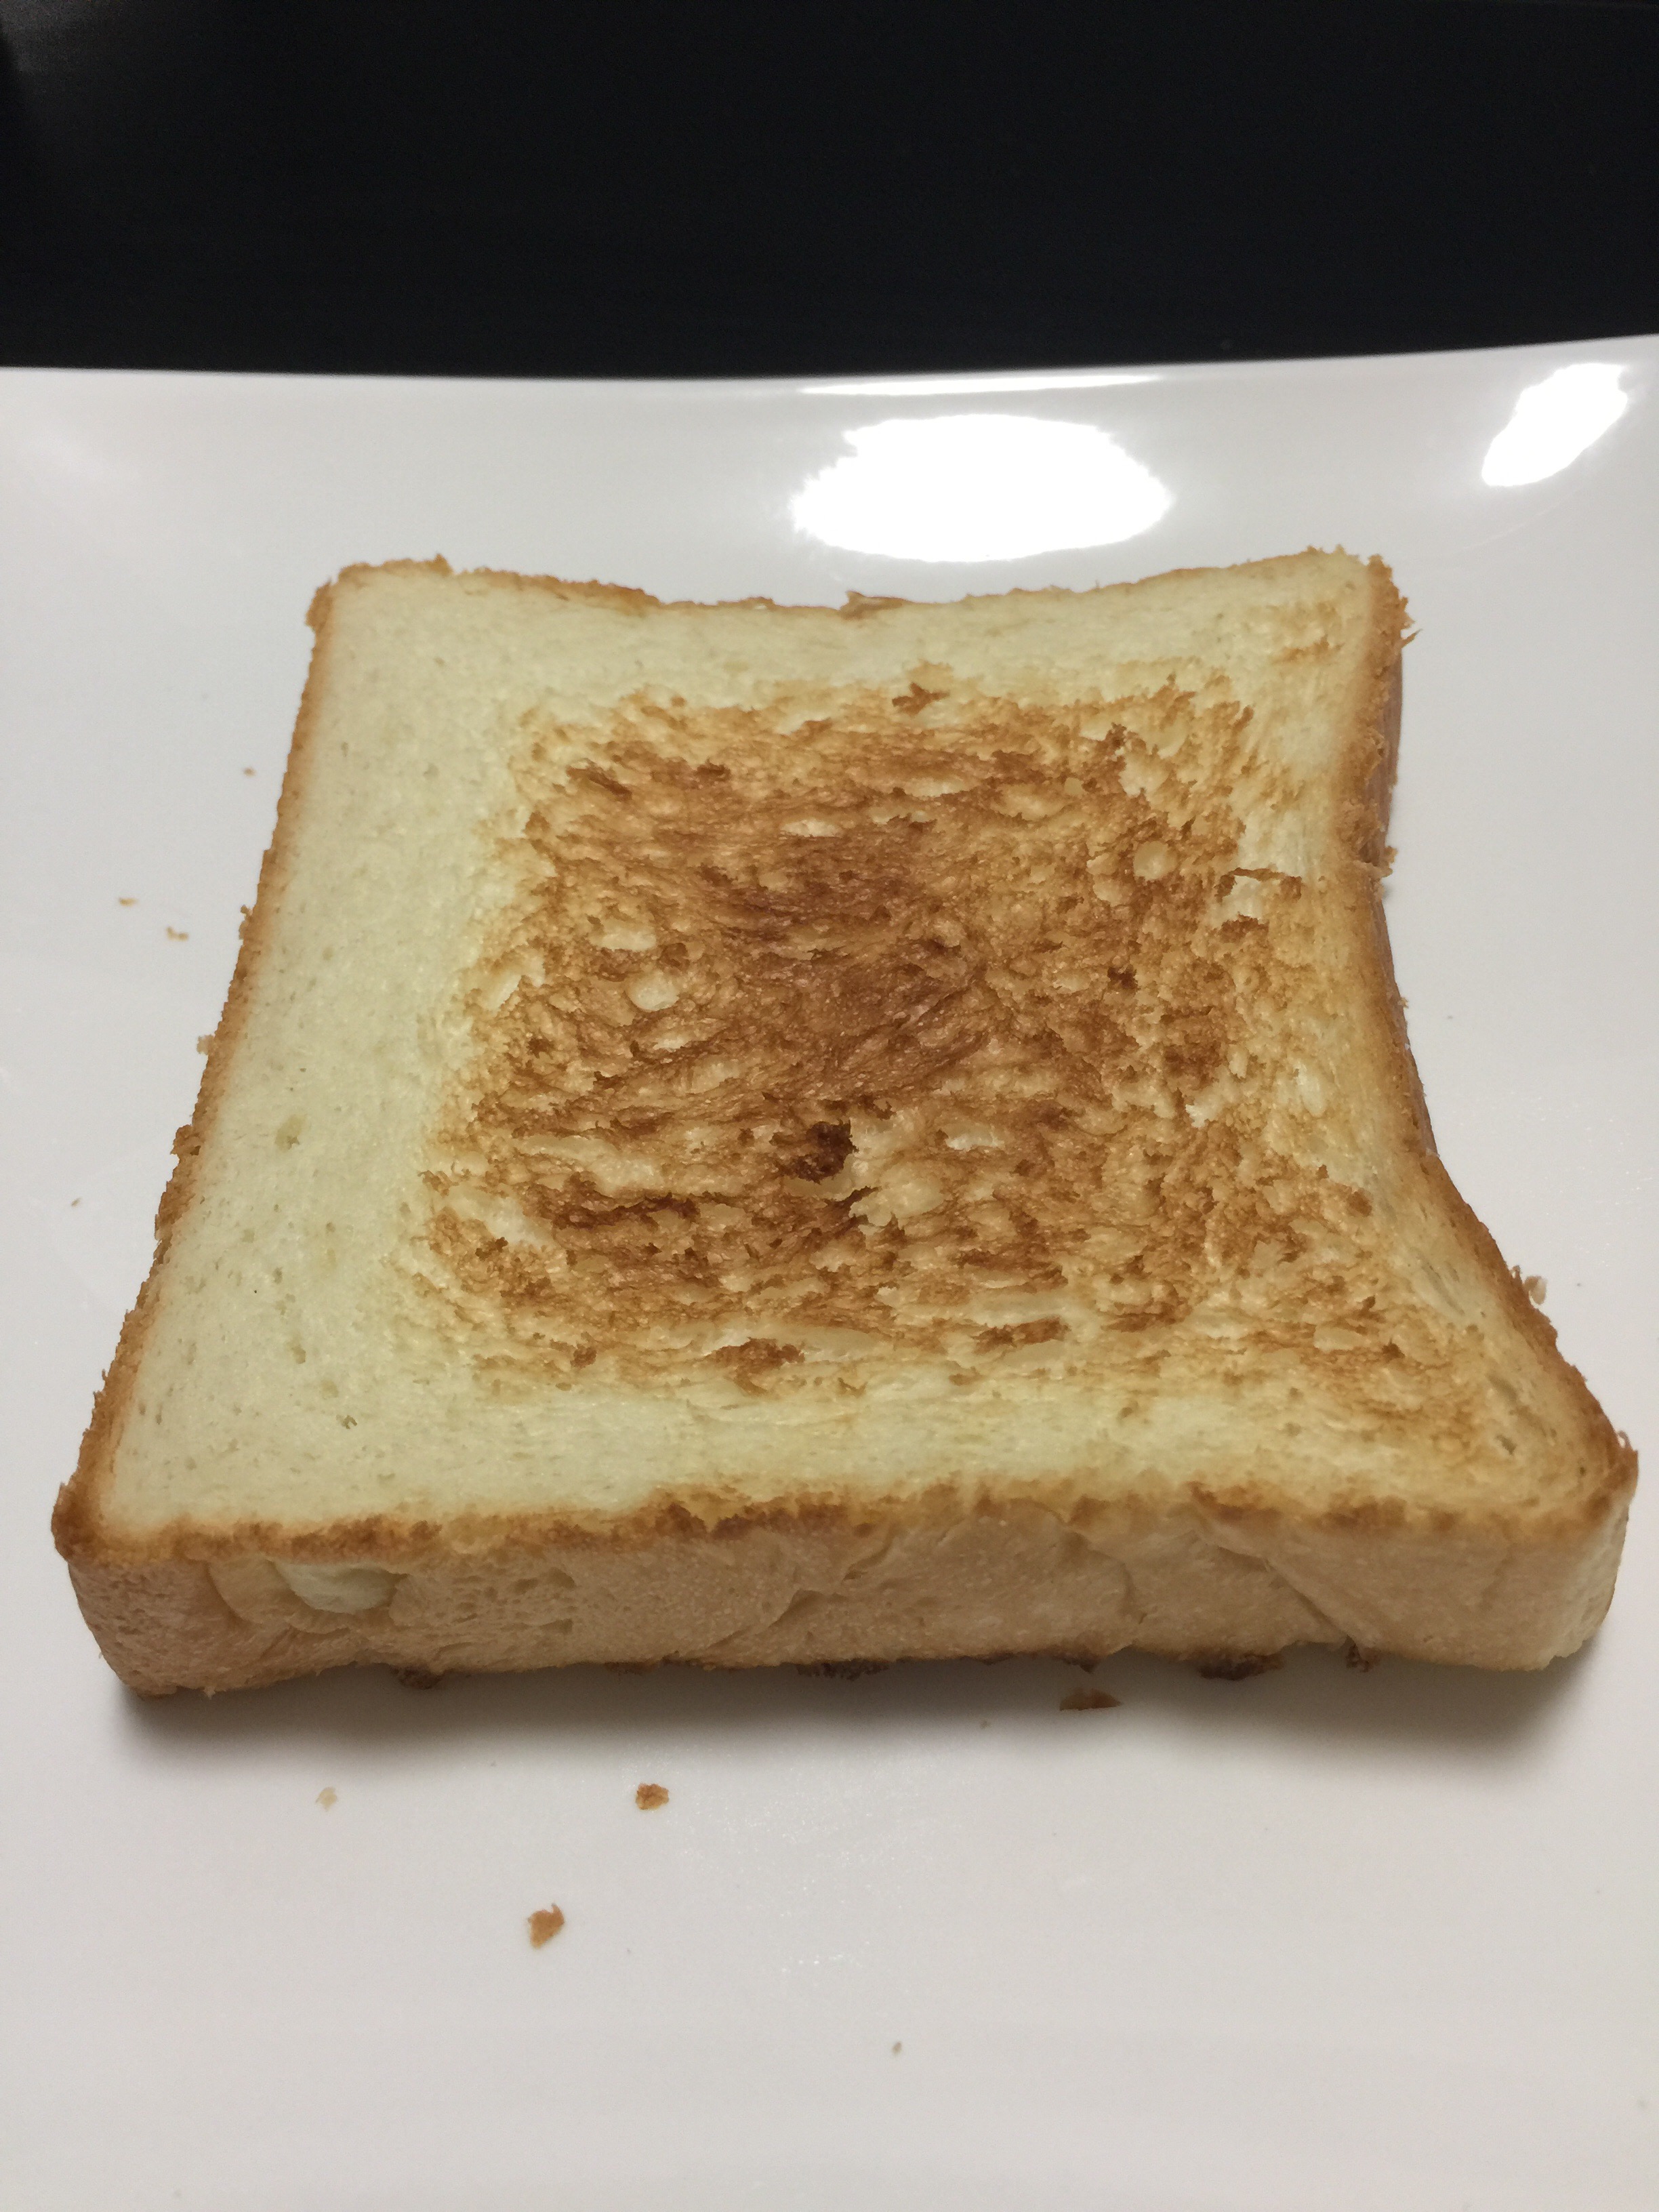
<point>915,1021</point>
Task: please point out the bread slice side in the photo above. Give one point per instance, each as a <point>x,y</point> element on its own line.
<point>873,1105</point>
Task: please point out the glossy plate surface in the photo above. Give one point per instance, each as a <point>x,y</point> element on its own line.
<point>1320,1941</point>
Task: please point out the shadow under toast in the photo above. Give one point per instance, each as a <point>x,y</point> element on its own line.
<point>1314,1700</point>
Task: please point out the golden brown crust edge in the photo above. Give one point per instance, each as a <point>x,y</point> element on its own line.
<point>75,1518</point>
<point>994,1584</point>
<point>1370,773</point>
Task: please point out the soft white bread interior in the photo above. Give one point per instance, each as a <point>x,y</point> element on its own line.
<point>751,1134</point>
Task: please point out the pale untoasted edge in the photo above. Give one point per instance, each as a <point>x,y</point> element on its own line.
<point>1506,1588</point>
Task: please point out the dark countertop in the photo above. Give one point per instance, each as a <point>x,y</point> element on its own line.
<point>642,189</point>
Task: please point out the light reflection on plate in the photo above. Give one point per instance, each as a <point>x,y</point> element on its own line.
<point>1555,421</point>
<point>979,488</point>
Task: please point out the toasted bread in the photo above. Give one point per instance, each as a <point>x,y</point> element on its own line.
<point>756,1133</point>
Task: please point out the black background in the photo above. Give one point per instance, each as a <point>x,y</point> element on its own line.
<point>621,189</point>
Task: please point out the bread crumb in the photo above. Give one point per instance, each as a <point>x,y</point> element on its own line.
<point>1087,1699</point>
<point>418,1678</point>
<point>247,771</point>
<point>1227,1667</point>
<point>545,1926</point>
<point>178,936</point>
<point>1536,1288</point>
<point>898,2047</point>
<point>75,1201</point>
<point>121,901</point>
<point>204,1044</point>
<point>1355,1654</point>
<point>327,1797</point>
<point>649,1796</point>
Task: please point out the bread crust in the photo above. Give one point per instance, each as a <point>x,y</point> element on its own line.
<point>76,1520</point>
<point>1507,1587</point>
<point>816,1590</point>
<point>1372,772</point>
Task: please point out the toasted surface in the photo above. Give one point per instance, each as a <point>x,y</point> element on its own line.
<point>842,1078</point>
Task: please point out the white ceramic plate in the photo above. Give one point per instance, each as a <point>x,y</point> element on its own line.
<point>1321,1942</point>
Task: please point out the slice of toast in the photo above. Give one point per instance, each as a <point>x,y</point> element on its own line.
<point>756,1133</point>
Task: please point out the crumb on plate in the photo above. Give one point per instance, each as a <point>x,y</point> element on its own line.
<point>1226,1667</point>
